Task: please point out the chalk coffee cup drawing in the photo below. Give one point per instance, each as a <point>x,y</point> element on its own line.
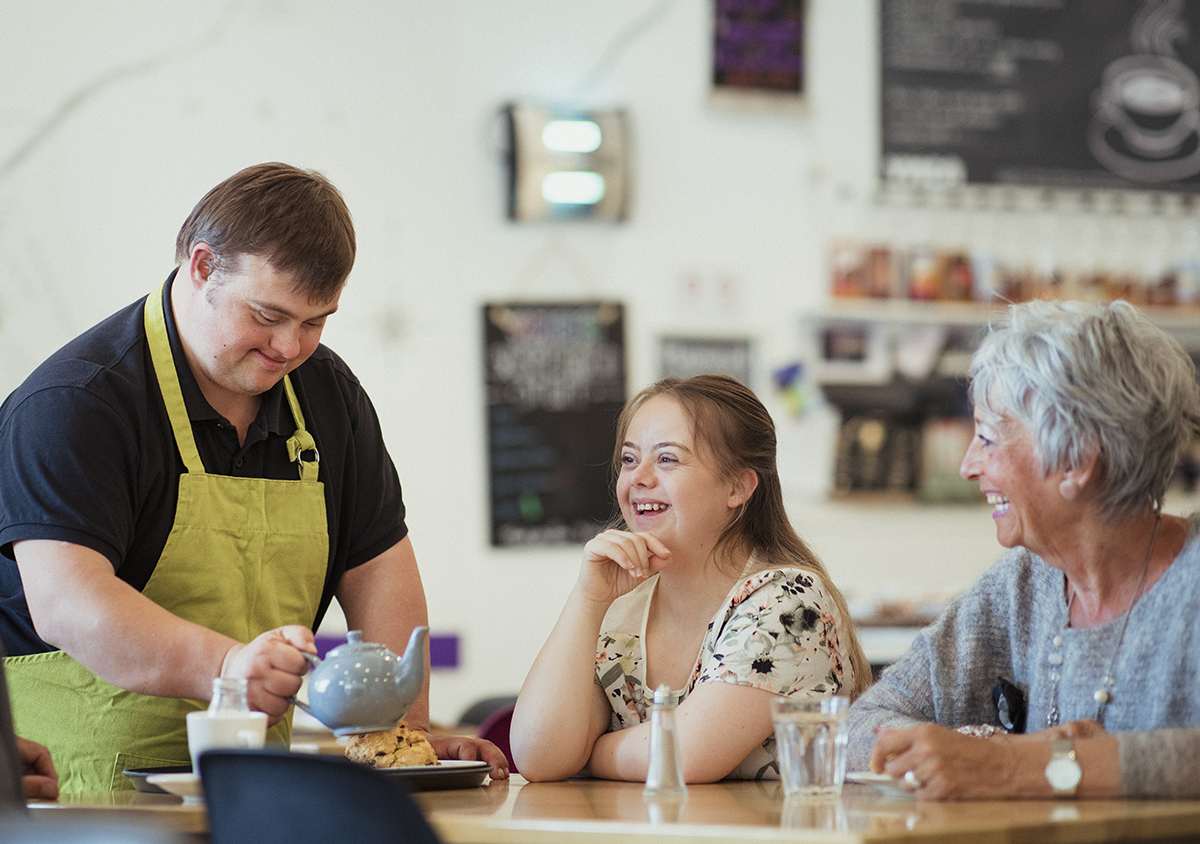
<point>1146,119</point>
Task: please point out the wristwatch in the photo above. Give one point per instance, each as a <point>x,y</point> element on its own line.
<point>1063,772</point>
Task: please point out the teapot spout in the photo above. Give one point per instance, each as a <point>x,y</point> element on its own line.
<point>416,640</point>
<point>410,676</point>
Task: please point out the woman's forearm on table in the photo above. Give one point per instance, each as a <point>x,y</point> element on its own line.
<point>716,726</point>
<point>560,710</point>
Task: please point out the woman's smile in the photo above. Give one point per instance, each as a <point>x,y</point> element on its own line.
<point>999,504</point>
<point>649,508</point>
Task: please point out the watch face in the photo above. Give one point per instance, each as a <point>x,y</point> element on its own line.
<point>1063,774</point>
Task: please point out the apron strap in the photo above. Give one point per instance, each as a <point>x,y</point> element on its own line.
<point>298,444</point>
<point>301,441</point>
<point>168,381</point>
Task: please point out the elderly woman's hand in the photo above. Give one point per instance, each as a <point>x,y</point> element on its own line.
<point>941,764</point>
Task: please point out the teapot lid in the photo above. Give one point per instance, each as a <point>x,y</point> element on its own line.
<point>354,642</point>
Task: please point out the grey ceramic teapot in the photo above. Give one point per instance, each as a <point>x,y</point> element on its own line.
<point>362,687</point>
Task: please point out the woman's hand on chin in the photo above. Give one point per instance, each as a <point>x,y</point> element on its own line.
<point>616,561</point>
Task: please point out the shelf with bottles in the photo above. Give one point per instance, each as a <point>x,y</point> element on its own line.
<point>871,271</point>
<point>989,245</point>
<point>1181,321</point>
<point>877,283</point>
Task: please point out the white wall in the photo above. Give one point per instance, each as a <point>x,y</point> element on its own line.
<point>116,117</point>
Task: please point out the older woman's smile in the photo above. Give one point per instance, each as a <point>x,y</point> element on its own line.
<point>999,503</point>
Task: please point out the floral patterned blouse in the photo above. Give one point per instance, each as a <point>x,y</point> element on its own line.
<point>777,630</point>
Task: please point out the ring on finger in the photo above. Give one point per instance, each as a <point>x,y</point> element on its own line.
<point>911,778</point>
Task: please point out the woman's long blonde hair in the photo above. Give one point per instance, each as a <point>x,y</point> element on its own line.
<point>738,433</point>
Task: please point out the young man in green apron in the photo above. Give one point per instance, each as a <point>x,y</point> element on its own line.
<point>185,487</point>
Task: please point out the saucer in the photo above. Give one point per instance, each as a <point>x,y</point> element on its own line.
<point>186,785</point>
<point>888,785</point>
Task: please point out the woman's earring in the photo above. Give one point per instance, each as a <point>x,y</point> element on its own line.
<point>1068,489</point>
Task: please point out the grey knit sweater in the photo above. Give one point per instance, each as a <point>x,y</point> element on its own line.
<point>1005,625</point>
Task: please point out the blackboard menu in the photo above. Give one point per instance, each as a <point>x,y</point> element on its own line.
<point>555,387</point>
<point>1057,93</point>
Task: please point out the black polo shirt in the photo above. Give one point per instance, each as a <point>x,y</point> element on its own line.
<point>87,456</point>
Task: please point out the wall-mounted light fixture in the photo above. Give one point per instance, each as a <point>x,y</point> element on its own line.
<point>566,164</point>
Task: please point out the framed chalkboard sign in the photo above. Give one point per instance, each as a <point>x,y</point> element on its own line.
<point>555,387</point>
<point>1087,94</point>
<point>683,357</point>
<point>758,52</point>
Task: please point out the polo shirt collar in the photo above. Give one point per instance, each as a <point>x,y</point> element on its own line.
<point>274,401</point>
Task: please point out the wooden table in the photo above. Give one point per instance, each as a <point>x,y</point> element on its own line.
<point>583,812</point>
<point>163,810</point>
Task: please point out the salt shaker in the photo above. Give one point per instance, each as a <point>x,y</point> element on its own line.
<point>664,776</point>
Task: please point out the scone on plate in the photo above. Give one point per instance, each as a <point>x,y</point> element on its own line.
<point>397,748</point>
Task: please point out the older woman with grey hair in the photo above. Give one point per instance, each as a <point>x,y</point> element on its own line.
<point>1072,666</point>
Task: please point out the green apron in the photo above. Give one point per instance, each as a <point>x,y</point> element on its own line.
<point>244,555</point>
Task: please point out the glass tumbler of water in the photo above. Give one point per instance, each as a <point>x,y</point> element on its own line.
<point>810,743</point>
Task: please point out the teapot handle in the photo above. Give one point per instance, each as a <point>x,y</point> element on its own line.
<point>314,661</point>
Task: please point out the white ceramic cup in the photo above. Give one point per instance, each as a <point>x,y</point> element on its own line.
<point>213,732</point>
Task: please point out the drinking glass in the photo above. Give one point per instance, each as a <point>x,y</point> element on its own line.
<point>810,741</point>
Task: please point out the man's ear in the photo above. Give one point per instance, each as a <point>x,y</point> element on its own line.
<point>744,484</point>
<point>200,264</point>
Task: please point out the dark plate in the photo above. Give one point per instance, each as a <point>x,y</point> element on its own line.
<point>452,773</point>
<point>138,776</point>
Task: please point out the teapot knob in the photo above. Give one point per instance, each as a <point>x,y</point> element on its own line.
<point>354,637</point>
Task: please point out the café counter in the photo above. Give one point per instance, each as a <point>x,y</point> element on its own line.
<point>587,811</point>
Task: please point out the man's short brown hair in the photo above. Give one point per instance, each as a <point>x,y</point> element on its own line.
<point>295,219</point>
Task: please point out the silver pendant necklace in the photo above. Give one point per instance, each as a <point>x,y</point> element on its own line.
<point>1103,694</point>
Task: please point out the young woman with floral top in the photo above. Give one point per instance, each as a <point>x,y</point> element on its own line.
<point>705,587</point>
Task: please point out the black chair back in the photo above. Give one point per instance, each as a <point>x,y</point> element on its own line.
<point>273,797</point>
<point>12,792</point>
